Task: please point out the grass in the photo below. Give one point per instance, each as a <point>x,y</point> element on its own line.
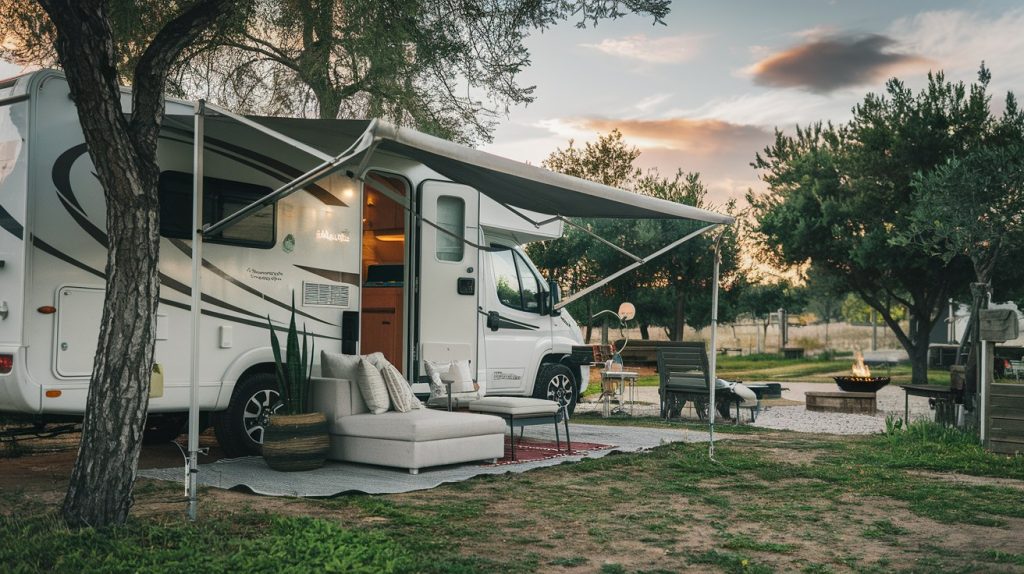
<point>770,501</point>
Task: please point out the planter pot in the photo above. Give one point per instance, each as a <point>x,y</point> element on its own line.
<point>296,442</point>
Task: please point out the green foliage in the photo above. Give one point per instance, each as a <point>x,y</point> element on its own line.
<point>854,310</point>
<point>670,291</point>
<point>293,369</point>
<point>838,195</point>
<point>260,543</point>
<point>445,68</point>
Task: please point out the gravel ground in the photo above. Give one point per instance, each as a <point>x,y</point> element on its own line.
<point>796,417</point>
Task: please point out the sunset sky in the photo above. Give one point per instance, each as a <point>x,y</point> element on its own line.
<point>705,92</point>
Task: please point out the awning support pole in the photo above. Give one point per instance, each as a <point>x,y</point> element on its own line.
<point>633,266</point>
<point>197,267</point>
<point>713,351</point>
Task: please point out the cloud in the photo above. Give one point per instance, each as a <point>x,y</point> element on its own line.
<point>701,137</point>
<point>664,50</point>
<point>958,41</point>
<point>828,63</point>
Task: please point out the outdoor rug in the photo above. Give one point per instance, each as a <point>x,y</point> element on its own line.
<point>529,449</point>
<point>251,473</point>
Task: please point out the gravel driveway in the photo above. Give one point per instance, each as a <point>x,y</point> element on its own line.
<point>794,417</point>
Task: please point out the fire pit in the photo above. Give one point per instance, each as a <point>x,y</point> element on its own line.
<point>855,384</point>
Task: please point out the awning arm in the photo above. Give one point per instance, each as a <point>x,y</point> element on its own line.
<point>633,266</point>
<point>362,144</point>
<point>602,239</point>
<point>530,220</point>
<point>267,131</point>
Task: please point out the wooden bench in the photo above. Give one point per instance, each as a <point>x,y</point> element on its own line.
<point>683,374</point>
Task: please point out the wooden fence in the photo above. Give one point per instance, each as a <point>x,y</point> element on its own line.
<point>1005,424</point>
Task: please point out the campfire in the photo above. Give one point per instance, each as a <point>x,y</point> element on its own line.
<point>861,381</point>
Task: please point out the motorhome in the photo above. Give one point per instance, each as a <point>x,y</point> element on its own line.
<point>392,250</point>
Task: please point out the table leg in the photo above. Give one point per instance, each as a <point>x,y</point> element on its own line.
<point>512,434</point>
<point>906,407</point>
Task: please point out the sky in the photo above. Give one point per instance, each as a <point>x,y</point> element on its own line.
<point>706,91</point>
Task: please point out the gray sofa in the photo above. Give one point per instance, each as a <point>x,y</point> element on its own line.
<point>414,440</point>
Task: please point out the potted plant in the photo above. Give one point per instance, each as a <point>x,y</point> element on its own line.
<point>295,438</point>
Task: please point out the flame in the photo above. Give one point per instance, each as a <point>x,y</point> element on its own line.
<point>859,368</point>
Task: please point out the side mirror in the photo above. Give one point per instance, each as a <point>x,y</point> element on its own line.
<point>555,295</point>
<point>493,320</point>
<point>626,312</point>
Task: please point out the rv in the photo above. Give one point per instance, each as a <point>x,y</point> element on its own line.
<point>391,250</point>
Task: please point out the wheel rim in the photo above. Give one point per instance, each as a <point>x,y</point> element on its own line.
<point>257,413</point>
<point>560,388</point>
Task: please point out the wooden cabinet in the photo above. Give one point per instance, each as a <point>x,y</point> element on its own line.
<point>382,323</point>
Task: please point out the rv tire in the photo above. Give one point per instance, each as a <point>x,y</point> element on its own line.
<point>556,382</point>
<point>161,428</point>
<point>239,429</point>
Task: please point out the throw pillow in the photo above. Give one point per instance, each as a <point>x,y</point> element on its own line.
<point>338,365</point>
<point>402,398</point>
<point>438,373</point>
<point>377,360</point>
<point>462,374</point>
<point>371,386</point>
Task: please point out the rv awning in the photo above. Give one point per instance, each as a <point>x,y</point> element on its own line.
<point>506,181</point>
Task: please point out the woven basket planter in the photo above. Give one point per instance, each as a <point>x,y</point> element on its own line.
<point>296,442</point>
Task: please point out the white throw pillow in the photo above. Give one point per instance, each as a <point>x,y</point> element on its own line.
<point>371,386</point>
<point>462,377</point>
<point>377,360</point>
<point>338,365</point>
<point>438,372</point>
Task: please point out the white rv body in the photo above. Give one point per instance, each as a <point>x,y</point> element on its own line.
<point>314,244</point>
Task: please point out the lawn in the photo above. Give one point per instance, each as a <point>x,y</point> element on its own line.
<point>921,500</point>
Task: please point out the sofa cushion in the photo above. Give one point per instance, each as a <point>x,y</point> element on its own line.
<point>371,386</point>
<point>418,426</point>
<point>338,365</point>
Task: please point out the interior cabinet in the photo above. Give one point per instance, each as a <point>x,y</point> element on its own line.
<point>382,323</point>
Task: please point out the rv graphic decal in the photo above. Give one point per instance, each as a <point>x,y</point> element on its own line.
<point>61,175</point>
<point>331,275</point>
<point>8,222</point>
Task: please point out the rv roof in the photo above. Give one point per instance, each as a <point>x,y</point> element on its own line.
<point>504,180</point>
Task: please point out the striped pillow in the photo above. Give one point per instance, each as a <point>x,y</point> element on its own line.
<point>402,398</point>
<point>371,386</point>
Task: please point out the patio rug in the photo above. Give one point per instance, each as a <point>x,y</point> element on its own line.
<point>530,449</point>
<point>253,475</point>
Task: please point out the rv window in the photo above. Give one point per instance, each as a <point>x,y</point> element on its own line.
<point>450,217</point>
<point>506,279</point>
<point>530,286</point>
<point>517,285</point>
<point>221,198</point>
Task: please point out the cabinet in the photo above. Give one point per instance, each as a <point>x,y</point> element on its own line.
<point>382,323</point>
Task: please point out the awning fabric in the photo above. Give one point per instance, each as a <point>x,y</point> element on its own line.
<point>506,181</point>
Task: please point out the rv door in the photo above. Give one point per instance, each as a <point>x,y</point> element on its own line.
<point>448,272</point>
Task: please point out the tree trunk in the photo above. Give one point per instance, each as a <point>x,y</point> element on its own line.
<point>123,153</point>
<point>678,318</point>
<point>590,321</point>
<point>645,331</point>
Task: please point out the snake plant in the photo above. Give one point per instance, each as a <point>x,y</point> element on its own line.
<point>294,369</point>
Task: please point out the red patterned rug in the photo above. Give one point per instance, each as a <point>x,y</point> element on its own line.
<point>531,449</point>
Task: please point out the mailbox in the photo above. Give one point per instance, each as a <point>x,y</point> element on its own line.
<point>999,325</point>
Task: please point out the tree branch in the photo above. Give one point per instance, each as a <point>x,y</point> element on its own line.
<point>152,69</point>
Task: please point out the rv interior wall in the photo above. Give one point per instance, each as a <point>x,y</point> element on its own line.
<point>383,264</point>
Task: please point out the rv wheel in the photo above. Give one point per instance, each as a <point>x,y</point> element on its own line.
<point>240,428</point>
<point>556,383</point>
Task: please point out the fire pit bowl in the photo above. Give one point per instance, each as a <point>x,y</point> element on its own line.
<point>853,384</point>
